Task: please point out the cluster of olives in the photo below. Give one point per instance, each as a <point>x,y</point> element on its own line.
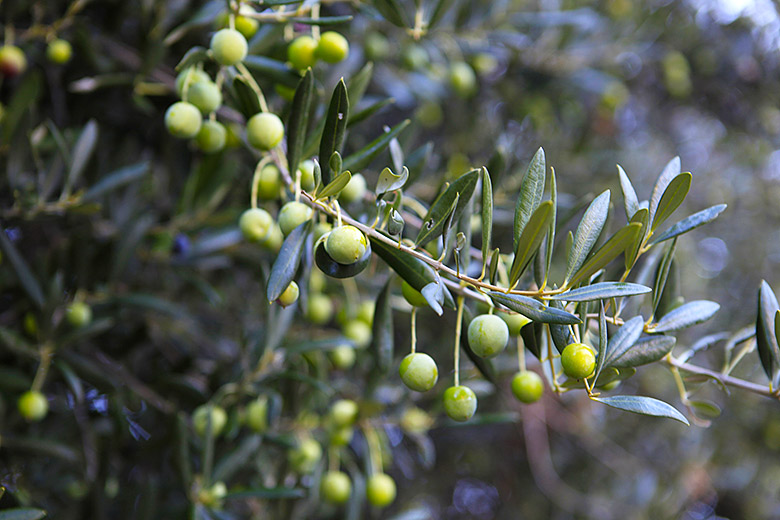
<point>304,51</point>
<point>13,61</point>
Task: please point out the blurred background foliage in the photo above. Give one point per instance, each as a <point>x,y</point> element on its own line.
<point>178,300</point>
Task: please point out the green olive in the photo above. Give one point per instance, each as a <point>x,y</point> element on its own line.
<point>255,224</point>
<point>189,77</point>
<point>346,244</point>
<point>257,414</point>
<point>460,403</point>
<point>183,120</point>
<point>336,487</point>
<point>301,52</point>
<point>380,490</point>
<point>418,372</point>
<point>334,269</point>
<point>205,95</point>
<point>200,419</point>
<point>292,215</point>
<point>412,295</point>
<point>306,172</point>
<point>78,314</point>
<point>488,335</point>
<point>578,361</point>
<point>415,421</point>
<point>320,309</point>
<point>290,295</point>
<point>527,386</point>
<point>228,47</point>
<point>358,332</point>
<point>344,412</point>
<point>33,405</point>
<point>332,47</point>
<point>12,61</point>
<point>59,51</point>
<point>354,190</point>
<point>305,456</point>
<point>211,137</point>
<point>264,131</point>
<point>343,357</point>
<point>515,322</point>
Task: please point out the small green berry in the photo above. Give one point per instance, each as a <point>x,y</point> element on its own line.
<point>306,172</point>
<point>527,386</point>
<point>30,324</point>
<point>301,52</point>
<point>270,184</point>
<point>246,26</point>
<point>346,244</point>
<point>211,137</point>
<point>320,310</point>
<point>200,420</point>
<point>366,312</point>
<point>418,372</point>
<point>515,322</point>
<point>415,57</point>
<point>33,405</point>
<point>78,314</point>
<point>255,224</point>
<point>460,403</point>
<point>578,361</point>
<point>320,229</point>
<point>336,487</point>
<point>343,357</point>
<point>205,95</point>
<point>273,241</point>
<point>412,295</point>
<point>358,332</point>
<point>463,79</point>
<point>264,130</point>
<point>189,77</point>
<point>332,47</point>
<point>183,120</point>
<point>12,61</point>
<point>415,421</point>
<point>488,335</point>
<point>257,414</point>
<point>344,412</point>
<point>290,295</point>
<point>380,490</point>
<point>228,46</point>
<point>354,190</point>
<point>292,215</point>
<point>341,436</point>
<point>59,51</point>
<point>304,457</point>
<point>376,46</point>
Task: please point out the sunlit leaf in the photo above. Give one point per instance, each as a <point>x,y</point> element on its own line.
<point>587,233</point>
<point>533,309</point>
<point>673,196</point>
<point>531,192</point>
<point>644,406</point>
<point>462,188</point>
<point>691,222</point>
<point>686,315</point>
<point>630,201</point>
<point>286,263</point>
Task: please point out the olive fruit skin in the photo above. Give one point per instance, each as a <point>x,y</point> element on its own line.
<point>332,47</point>
<point>515,322</point>
<point>463,79</point>
<point>257,415</point>
<point>376,46</point>
<point>460,403</point>
<point>12,61</point>
<point>205,95</point>
<point>33,405</point>
<point>255,224</point>
<point>290,295</point>
<point>273,241</point>
<point>301,53</point>
<point>264,131</point>
<point>366,312</point>
<point>200,419</point>
<point>78,314</point>
<point>228,46</point>
<point>292,215</point>
<point>415,420</point>
<point>341,436</point>
<point>344,412</point>
<point>354,190</point>
<point>488,335</point>
<point>412,295</point>
<point>59,51</point>
<point>527,387</point>
<point>358,332</point>
<point>578,361</point>
<point>346,244</point>
<point>380,490</point>
<point>270,183</point>
<point>304,457</point>
<point>189,77</point>
<point>343,357</point>
<point>320,310</point>
<point>211,137</point>
<point>306,171</point>
<point>418,372</point>
<point>183,120</point>
<point>336,487</point>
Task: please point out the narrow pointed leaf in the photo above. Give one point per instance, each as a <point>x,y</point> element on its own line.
<point>246,98</point>
<point>358,84</point>
<point>645,351</point>
<point>624,339</point>
<point>448,220</point>
<point>530,240</point>
<point>630,201</point>
<point>531,192</point>
<point>487,215</point>
<point>441,8</point>
<point>392,11</point>
<point>662,274</point>
<point>382,330</point>
<point>22,270</point>
<point>82,152</point>
<point>553,223</point>
<point>286,263</point>
<point>364,156</point>
<point>434,295</point>
<point>602,341</point>
<point>602,291</point>
<point>335,186</point>
<point>561,334</point>
<point>532,335</point>
<point>687,315</point>
<point>115,180</point>
<point>673,196</point>
<point>22,513</point>
<point>298,121</point>
<point>323,20</point>
<point>644,406</point>
<point>587,233</point>
<point>388,181</point>
<point>632,252</point>
<point>434,220</point>
<point>333,131</point>
<point>766,339</point>
<point>670,171</point>
<point>267,493</point>
<point>691,222</point>
<point>609,251</point>
<point>533,309</point>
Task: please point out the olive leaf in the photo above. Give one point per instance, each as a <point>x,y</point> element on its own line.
<point>298,120</point>
<point>388,181</point>
<point>602,291</point>
<point>286,263</point>
<point>673,196</point>
<point>630,201</point>
<point>462,189</point>
<point>602,353</point>
<point>530,240</point>
<point>365,155</point>
<point>691,222</point>
<point>335,187</point>
<point>382,330</point>
<point>646,350</point>
<point>644,406</point>
<point>617,244</point>
<point>533,309</point>
<point>623,339</point>
<point>335,126</point>
<point>531,192</point>
<point>487,215</point>
<point>686,315</point>
<point>670,171</point>
<point>588,232</point>
<point>766,338</point>
<point>553,223</point>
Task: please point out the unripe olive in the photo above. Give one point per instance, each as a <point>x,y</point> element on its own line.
<point>414,57</point>
<point>189,77</point>
<point>205,95</point>
<point>59,51</point>
<point>255,224</point>
<point>183,120</point>
<point>257,414</point>
<point>228,46</point>
<point>78,314</point>
<point>527,386</point>
<point>412,295</point>
<point>273,241</point>
<point>270,183</point>
<point>306,171</point>
<point>417,421</point>
<point>376,46</point>
<point>304,457</point>
<point>344,412</point>
<point>320,229</point>
<point>358,332</point>
<point>611,385</point>
<point>246,26</point>
<point>336,487</point>
<point>287,93</point>
<point>430,114</point>
<point>292,215</point>
<point>346,244</point>
<point>380,490</point>
<point>488,335</point>
<point>354,190</point>
<point>264,130</point>
<point>343,357</point>
<point>211,137</point>
<point>320,310</point>
<point>515,322</point>
<point>200,419</point>
<point>33,405</point>
<point>341,436</point>
<point>485,64</point>
<point>332,47</point>
<point>463,79</point>
<point>290,295</point>
<point>418,372</point>
<point>366,312</point>
<point>316,281</point>
<point>301,52</point>
<point>578,361</point>
<point>12,61</point>
<point>460,403</point>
